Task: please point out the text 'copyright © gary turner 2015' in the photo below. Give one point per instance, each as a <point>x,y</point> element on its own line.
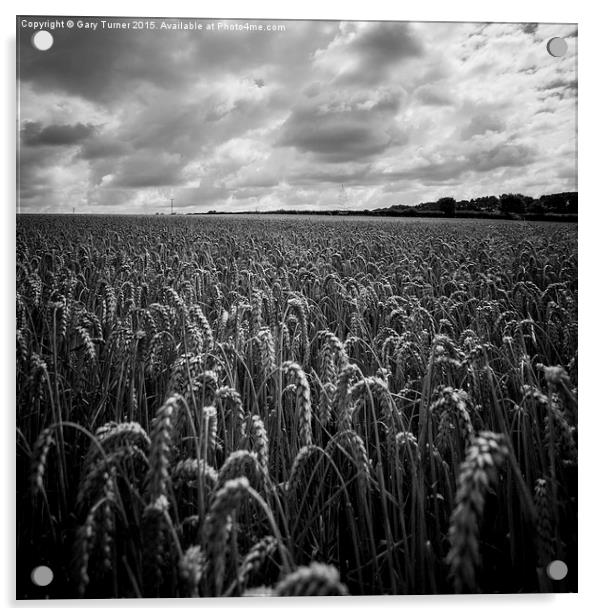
<point>149,24</point>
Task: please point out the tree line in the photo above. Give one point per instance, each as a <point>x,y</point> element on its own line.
<point>556,206</point>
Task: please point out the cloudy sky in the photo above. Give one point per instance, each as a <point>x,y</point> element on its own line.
<point>122,121</point>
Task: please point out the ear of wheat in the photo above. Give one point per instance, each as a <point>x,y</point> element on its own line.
<point>156,548</point>
<point>39,458</point>
<point>256,557</point>
<point>217,524</point>
<point>303,401</point>
<point>259,438</point>
<point>479,471</point>
<point>232,397</point>
<point>160,450</point>
<point>192,568</point>
<point>351,448</point>
<point>299,463</point>
<point>340,402</point>
<point>241,463</point>
<point>315,580</point>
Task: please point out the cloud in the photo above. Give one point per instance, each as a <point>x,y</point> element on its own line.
<point>529,28</point>
<point>481,123</point>
<point>477,160</point>
<point>560,87</point>
<point>107,66</point>
<point>103,146</point>
<point>337,136</point>
<point>396,112</point>
<point>344,127</point>
<point>367,52</point>
<point>33,133</point>
<point>433,95</point>
<point>147,169</point>
<point>385,44</point>
<point>503,155</point>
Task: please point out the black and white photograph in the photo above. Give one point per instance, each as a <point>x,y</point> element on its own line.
<point>296,308</point>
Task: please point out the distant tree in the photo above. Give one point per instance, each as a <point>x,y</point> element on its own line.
<point>563,203</point>
<point>535,207</point>
<point>571,202</point>
<point>490,203</point>
<point>512,204</point>
<point>447,205</point>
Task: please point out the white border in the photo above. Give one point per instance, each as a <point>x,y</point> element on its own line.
<point>583,12</point>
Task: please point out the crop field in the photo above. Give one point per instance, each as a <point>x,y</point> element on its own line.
<point>226,406</point>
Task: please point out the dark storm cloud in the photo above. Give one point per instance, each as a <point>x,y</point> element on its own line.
<point>338,128</point>
<point>503,155</point>
<point>144,169</point>
<point>103,147</point>
<point>34,134</point>
<point>386,43</point>
<point>478,160</point>
<point>381,46</point>
<point>369,51</point>
<point>335,137</point>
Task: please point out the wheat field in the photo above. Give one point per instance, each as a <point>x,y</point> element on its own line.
<point>227,406</point>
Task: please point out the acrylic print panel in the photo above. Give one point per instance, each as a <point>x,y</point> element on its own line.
<point>296,308</point>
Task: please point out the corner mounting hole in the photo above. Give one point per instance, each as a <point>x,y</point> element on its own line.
<point>557,47</point>
<point>42,40</point>
<point>42,575</point>
<point>557,570</point>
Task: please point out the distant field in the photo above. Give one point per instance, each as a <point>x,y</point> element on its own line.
<point>222,405</point>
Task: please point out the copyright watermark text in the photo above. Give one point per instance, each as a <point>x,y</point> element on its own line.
<point>164,25</point>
